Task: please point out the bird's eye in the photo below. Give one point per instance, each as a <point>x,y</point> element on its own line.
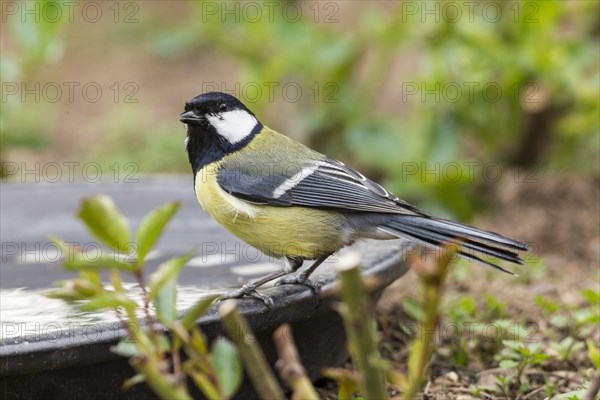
<point>223,107</point>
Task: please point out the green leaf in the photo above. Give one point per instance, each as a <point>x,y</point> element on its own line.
<point>134,380</point>
<point>573,395</point>
<point>227,366</point>
<point>204,384</point>
<point>594,354</point>
<point>508,364</point>
<point>567,342</point>
<point>91,276</point>
<point>85,286</point>
<point>164,345</point>
<point>66,292</point>
<point>495,307</point>
<point>413,309</point>
<point>539,358</point>
<point>191,315</point>
<point>166,302</point>
<point>546,304</point>
<point>103,219</point>
<point>152,226</point>
<point>166,272</point>
<point>109,300</point>
<point>578,346</point>
<point>512,344</point>
<point>592,296</point>
<point>126,348</point>
<point>532,348</point>
<point>83,263</point>
<point>199,340</point>
<point>560,321</point>
<point>586,316</point>
<point>76,259</point>
<point>129,348</point>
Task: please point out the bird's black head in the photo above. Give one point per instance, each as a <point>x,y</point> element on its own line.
<point>218,124</point>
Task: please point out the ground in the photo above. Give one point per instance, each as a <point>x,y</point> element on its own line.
<point>559,214</point>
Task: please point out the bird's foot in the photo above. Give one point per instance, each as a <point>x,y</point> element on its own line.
<point>249,290</point>
<point>300,279</point>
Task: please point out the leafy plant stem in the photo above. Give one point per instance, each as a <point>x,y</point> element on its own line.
<point>359,324</point>
<point>256,365</point>
<point>150,367</point>
<point>139,276</point>
<point>177,365</point>
<point>204,373</point>
<point>421,348</point>
<point>289,365</point>
<point>132,325</point>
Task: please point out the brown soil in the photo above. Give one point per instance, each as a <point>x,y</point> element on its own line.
<point>560,216</point>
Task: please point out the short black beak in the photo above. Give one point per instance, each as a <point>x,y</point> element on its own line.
<point>190,117</point>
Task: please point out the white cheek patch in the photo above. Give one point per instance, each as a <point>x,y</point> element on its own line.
<point>233,125</point>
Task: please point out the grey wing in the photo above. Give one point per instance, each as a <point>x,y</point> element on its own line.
<point>324,183</point>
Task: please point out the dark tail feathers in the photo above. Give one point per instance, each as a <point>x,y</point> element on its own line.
<point>435,232</point>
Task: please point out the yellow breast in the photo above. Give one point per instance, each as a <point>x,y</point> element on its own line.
<point>276,231</point>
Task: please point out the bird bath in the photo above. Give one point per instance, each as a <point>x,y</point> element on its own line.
<point>51,349</point>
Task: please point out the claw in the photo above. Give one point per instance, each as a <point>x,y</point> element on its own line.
<point>249,291</point>
<point>300,279</point>
<point>267,300</point>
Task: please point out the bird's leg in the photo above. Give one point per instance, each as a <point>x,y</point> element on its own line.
<point>250,288</point>
<point>301,277</point>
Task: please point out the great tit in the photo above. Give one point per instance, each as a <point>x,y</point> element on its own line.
<point>292,202</point>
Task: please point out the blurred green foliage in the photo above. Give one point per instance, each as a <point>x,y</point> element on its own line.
<point>520,90</point>
<point>153,149</point>
<point>36,43</point>
<point>390,87</point>
<point>215,369</point>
